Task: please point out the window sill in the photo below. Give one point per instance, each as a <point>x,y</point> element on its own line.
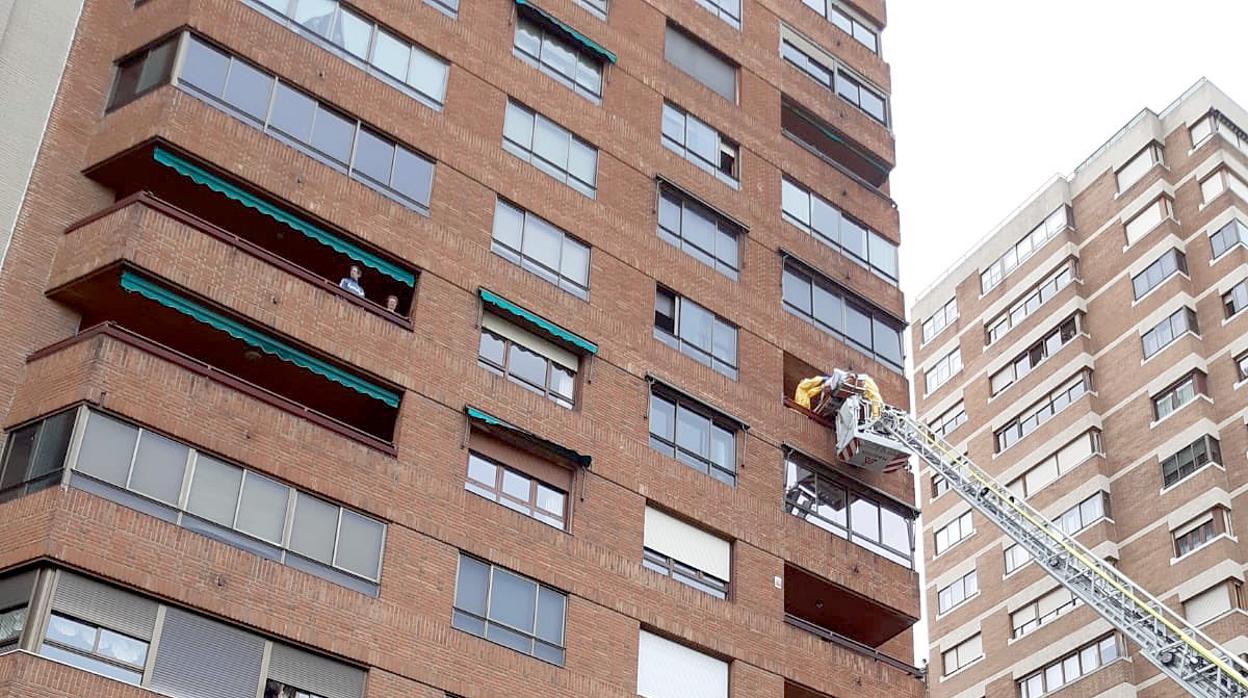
<point>1194,473</point>
<point>1202,546</point>
<point>1165,346</point>
<point>1033,369</point>
<point>1119,194</point>
<point>962,668</point>
<point>960,604</point>
<point>1163,282</point>
<point>1150,231</point>
<point>962,540</point>
<point>1155,423</point>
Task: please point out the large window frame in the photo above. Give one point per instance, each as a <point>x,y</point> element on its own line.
<point>1178,395</point>
<point>942,371</point>
<point>1070,456</point>
<point>701,144</point>
<point>699,231</point>
<point>1042,411</point>
<point>1170,263</point>
<point>1198,532</point>
<point>949,420</point>
<point>848,21</point>
<point>510,351</point>
<point>1138,166</point>
<point>563,61</point>
<point>833,227</point>
<point>939,320</point>
<point>1042,293</point>
<point>1045,609</point>
<point>524,132</point>
<point>715,455</point>
<point>952,533</point>
<point>476,613</point>
<point>1224,238</point>
<point>957,592</point>
<point>1182,464</point>
<point>498,482</point>
<point>1147,220</point>
<point>1236,299</point>
<point>1071,667</point>
<point>848,510</point>
<point>842,314</point>
<point>525,239</point>
<point>717,347</point>
<point>962,655</point>
<point>824,69</point>
<point>1028,360</point>
<point>1163,334</point>
<point>1054,223</point>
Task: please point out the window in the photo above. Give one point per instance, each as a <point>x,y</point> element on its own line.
<point>954,532</point>
<point>946,367</point>
<point>956,592</point>
<point>541,248</point>
<point>1146,220</point>
<point>1016,556</point>
<point>848,510</point>
<point>15,595</point>
<point>516,490</point>
<point>450,7</point>
<point>367,44</point>
<point>110,632</point>
<point>1201,530</point>
<point>962,655</point>
<point>550,148</point>
<point>1189,459</point>
<point>527,360</point>
<point>1042,610</point>
<point>1213,185</point>
<point>842,314</point>
<point>1174,326</point>
<point>695,331</point>
<point>1168,264</point>
<point>1070,668</point>
<point>1241,365</point>
<point>1178,395</point>
<point>1084,514</point>
<point>1228,236</point>
<point>727,10</point>
<point>1235,299</point>
<point>939,320</point>
<point>946,423</point>
<point>1022,250</point>
<point>1216,122</point>
<point>1211,603</point>
<point>704,440</point>
<point>1067,458</point>
<point>687,554</point>
<point>939,485</point>
<point>667,669</point>
<point>510,610</point>
<point>597,8</point>
<point>559,58</point>
<point>344,143</point>
<point>34,455</point>
<point>699,231</point>
<point>692,139</point>
<point>238,506</point>
<point>1138,166</point>
<point>844,19</point>
<point>142,72</point>
<point>700,62</point>
<point>1024,363</point>
<point>824,69</point>
<point>836,229</point>
<point>1043,411</point>
<point>832,145</point>
<point>1031,302</point>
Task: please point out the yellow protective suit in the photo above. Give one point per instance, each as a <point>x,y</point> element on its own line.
<point>807,390</point>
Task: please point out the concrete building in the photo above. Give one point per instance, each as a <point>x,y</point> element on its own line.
<point>437,348</point>
<point>1092,352</point>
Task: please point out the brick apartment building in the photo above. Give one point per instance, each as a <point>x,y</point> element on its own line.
<point>437,348</point>
<point>1092,353</point>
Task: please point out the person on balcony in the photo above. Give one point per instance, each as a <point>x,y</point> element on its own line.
<point>351,282</point>
<point>392,304</point>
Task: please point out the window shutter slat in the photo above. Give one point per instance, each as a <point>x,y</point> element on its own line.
<point>201,658</point>
<point>310,672</point>
<point>101,604</point>
<point>687,544</point>
<point>666,669</point>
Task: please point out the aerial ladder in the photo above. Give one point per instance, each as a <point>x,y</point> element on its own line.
<point>878,437</point>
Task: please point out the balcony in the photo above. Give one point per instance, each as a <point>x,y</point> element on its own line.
<point>167,178</point>
<point>833,147</point>
<point>161,318</point>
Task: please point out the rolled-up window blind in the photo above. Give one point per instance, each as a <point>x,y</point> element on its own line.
<point>104,605</point>
<point>201,658</point>
<point>314,673</point>
<point>666,669</point>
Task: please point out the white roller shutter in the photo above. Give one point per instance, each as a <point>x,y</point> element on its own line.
<point>1075,452</point>
<point>1041,475</point>
<point>530,341</point>
<point>686,544</point>
<point>666,669</point>
<point>1208,604</point>
<point>201,658</point>
<point>1052,601</point>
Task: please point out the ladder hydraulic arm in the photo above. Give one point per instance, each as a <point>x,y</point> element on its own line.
<point>1176,647</point>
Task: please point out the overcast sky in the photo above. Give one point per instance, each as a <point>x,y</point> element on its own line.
<point>993,97</point>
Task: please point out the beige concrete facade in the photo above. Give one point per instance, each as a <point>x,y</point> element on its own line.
<point>1097,351</point>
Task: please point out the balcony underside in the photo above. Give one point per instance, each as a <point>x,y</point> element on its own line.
<point>836,609</point>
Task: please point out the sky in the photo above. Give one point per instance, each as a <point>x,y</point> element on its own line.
<point>991,98</point>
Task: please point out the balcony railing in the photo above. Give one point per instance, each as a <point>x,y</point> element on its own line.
<point>854,646</point>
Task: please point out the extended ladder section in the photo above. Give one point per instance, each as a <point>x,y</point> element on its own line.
<point>1177,648</point>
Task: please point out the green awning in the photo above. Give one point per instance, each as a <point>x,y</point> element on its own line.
<point>546,325</point>
<point>137,284</point>
<point>562,451</point>
<point>334,242</point>
<point>587,43</point>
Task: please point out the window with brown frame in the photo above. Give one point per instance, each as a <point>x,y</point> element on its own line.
<point>519,480</point>
<point>528,360</point>
<point>1201,530</point>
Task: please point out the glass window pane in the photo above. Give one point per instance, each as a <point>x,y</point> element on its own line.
<point>550,500</point>
<point>391,55</point>
<point>332,134</point>
<point>107,447</point>
<point>884,256</point>
<point>204,67</point>
<point>695,325</point>
<point>828,309</point>
<point>574,264</point>
<point>214,490</point>
<point>359,544</point>
<point>316,15</point>
<point>18,453</point>
<point>558,57</point>
<point>516,485</point>
<point>482,471</point>
<point>693,431</point>
<point>53,444</point>
<point>126,84</point>
<point>354,33</point>
<point>795,202</point>
<point>723,449</point>
<point>374,156</point>
<point>428,75</point>
<point>508,225</point>
<point>413,176</point>
<point>826,220</point>
<point>854,238</point>
<point>583,162</point>
<point>248,90</point>
<point>513,600</point>
<point>528,38</point>
<point>472,585</point>
<point>262,508</point>
<point>122,648</point>
<point>796,291</point>
<point>156,66</point>
<point>887,341</point>
<point>491,348</point>
<point>518,126</point>
<point>292,113</point>
<point>542,242</point>
<point>702,140</point>
<point>865,519</point>
<point>673,125</point>
<point>550,610</point>
<point>724,346</point>
<point>71,632</point>
<point>551,143</point>
<point>857,325</point>
<point>662,417</point>
<point>159,467</point>
<point>314,528</point>
<point>527,366</point>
